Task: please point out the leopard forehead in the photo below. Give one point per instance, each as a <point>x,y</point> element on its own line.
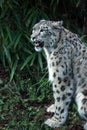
<point>48,24</point>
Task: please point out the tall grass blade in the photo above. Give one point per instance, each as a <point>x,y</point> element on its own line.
<point>13,69</point>
<point>17,40</point>
<point>1,3</point>
<point>27,61</point>
<point>7,53</point>
<point>33,59</point>
<point>1,31</point>
<point>9,33</point>
<point>40,61</point>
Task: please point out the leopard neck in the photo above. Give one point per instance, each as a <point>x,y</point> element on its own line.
<point>58,45</point>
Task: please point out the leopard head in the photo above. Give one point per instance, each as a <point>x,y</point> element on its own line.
<point>46,34</point>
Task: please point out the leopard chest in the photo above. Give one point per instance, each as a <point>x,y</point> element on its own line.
<point>52,67</point>
<point>51,71</point>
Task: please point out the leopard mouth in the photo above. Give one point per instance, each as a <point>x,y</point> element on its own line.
<point>39,45</point>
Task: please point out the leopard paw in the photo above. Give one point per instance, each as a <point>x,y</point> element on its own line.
<point>53,122</point>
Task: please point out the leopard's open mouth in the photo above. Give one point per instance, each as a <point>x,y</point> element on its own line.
<point>39,45</point>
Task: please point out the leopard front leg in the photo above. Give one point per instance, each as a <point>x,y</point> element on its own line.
<point>62,96</point>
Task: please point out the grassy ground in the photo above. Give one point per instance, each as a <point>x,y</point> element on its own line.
<point>23,106</point>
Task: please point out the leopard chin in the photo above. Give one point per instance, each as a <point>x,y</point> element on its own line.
<point>38,49</point>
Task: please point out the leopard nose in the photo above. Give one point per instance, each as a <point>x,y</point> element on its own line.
<point>32,38</point>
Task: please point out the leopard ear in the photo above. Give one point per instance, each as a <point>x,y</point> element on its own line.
<point>43,20</point>
<point>57,24</point>
<point>60,23</point>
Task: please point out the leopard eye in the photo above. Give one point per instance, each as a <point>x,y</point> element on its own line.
<point>44,29</point>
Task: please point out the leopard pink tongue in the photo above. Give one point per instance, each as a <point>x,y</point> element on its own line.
<point>37,44</point>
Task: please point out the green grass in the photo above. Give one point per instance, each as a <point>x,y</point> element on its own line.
<point>23,106</point>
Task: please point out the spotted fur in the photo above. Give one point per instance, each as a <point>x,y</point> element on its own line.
<point>67,65</point>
